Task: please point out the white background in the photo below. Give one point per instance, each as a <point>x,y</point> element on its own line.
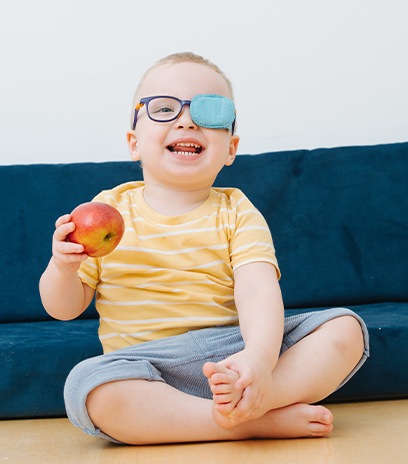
<point>306,74</point>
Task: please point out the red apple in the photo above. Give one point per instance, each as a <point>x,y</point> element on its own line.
<point>99,227</point>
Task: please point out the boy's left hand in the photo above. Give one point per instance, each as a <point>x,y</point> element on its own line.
<point>254,380</point>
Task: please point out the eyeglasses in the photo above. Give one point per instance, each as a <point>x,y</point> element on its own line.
<point>207,110</point>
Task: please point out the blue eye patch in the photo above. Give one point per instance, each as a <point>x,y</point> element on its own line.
<point>213,111</point>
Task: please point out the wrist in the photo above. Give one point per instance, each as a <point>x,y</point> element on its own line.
<point>63,268</point>
<point>264,354</point>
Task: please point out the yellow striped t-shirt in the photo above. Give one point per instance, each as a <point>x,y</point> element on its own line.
<point>171,274</point>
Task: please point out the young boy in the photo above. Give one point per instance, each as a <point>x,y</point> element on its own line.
<point>196,347</point>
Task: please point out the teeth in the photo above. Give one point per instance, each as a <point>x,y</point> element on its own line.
<point>188,145</point>
<point>184,153</point>
<point>197,148</point>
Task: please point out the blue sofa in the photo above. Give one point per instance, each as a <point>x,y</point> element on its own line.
<point>339,219</point>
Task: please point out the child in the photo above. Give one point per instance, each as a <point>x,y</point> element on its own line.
<point>196,347</point>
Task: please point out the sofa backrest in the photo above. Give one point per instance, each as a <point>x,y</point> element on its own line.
<point>32,198</point>
<point>339,220</point>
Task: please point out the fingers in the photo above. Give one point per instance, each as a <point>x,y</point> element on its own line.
<point>62,231</point>
<point>66,253</point>
<point>247,408</point>
<point>62,220</point>
<point>245,375</point>
<point>245,379</point>
<point>69,252</point>
<point>236,404</point>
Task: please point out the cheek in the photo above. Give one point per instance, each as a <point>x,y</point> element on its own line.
<point>150,151</point>
<point>222,144</point>
<point>151,132</point>
<point>217,137</point>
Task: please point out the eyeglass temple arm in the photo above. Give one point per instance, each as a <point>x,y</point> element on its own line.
<point>137,108</point>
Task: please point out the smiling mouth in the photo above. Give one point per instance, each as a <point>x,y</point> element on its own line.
<point>185,149</point>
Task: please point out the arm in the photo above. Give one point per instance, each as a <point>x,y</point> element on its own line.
<point>63,294</point>
<point>260,308</point>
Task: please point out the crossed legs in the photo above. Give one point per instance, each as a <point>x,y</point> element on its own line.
<point>142,412</point>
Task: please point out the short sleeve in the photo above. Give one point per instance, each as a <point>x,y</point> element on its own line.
<point>251,240</point>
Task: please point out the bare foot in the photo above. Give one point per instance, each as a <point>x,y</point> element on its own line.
<point>294,421</point>
<point>225,395</point>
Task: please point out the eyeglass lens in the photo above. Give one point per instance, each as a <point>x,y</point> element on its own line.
<point>163,108</point>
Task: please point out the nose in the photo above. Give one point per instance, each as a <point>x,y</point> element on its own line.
<point>184,119</point>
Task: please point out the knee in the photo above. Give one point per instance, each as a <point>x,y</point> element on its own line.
<point>75,391</point>
<point>109,409</point>
<point>101,403</point>
<point>347,335</point>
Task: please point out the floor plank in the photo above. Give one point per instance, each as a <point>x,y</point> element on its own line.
<point>372,432</point>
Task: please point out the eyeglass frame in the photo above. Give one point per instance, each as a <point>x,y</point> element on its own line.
<point>146,100</point>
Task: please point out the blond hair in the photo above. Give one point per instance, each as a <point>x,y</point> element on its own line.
<point>190,57</point>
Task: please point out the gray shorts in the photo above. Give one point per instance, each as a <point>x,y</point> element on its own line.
<point>178,361</point>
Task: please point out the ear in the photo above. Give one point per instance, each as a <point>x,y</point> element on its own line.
<point>132,145</point>
<point>233,148</point>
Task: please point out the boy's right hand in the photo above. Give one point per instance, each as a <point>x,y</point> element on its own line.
<point>67,256</point>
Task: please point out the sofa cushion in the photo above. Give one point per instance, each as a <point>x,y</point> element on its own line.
<point>384,375</point>
<point>36,358</point>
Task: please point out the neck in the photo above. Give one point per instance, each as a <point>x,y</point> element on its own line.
<point>173,202</point>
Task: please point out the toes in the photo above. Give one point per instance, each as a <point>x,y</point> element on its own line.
<point>222,379</point>
<point>222,398</point>
<point>317,429</point>
<point>224,409</point>
<point>321,415</point>
<point>209,369</point>
<point>221,388</point>
<point>320,421</point>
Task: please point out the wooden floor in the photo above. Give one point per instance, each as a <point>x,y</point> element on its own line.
<point>373,432</point>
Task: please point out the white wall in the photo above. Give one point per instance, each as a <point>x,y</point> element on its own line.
<point>306,73</point>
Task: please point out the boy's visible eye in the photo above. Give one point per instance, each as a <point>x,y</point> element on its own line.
<point>164,109</point>
<point>163,105</point>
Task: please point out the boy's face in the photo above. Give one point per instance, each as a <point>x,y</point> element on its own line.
<point>180,153</point>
